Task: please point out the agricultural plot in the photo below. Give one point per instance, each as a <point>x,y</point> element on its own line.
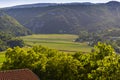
<point>62,42</point>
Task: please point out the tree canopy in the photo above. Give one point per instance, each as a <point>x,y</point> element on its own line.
<point>101,64</point>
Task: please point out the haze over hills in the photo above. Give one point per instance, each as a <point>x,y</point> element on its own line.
<point>9,25</point>
<point>68,18</point>
<point>34,5</point>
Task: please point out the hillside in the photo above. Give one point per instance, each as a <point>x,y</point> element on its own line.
<point>9,25</point>
<point>68,18</point>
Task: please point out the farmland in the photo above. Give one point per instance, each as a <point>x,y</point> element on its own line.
<point>61,42</point>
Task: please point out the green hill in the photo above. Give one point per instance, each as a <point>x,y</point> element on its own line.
<point>68,18</point>
<point>9,25</point>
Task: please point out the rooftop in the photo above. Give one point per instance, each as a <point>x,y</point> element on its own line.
<point>19,74</point>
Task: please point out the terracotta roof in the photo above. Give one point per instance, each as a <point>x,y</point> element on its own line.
<point>19,74</point>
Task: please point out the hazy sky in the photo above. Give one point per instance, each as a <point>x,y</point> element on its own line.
<point>6,3</point>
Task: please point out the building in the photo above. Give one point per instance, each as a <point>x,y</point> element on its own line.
<point>19,74</point>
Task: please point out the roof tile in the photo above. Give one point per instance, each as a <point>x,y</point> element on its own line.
<point>19,74</point>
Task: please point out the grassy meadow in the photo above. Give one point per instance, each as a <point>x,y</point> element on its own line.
<point>62,42</point>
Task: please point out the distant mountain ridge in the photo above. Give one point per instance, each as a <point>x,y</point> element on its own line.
<point>68,18</point>
<point>48,5</point>
<point>34,5</point>
<point>59,4</point>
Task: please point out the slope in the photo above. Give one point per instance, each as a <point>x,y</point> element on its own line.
<point>9,25</point>
<point>69,18</point>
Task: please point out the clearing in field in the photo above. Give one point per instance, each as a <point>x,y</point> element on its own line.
<point>62,42</point>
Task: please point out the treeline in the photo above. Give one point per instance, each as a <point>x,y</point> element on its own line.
<point>8,40</point>
<point>108,36</point>
<point>101,64</point>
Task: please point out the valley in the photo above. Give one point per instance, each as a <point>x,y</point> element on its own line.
<point>62,42</point>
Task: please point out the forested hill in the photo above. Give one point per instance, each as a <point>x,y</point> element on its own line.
<point>9,25</point>
<point>68,18</point>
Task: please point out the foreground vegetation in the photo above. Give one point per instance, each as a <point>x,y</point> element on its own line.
<point>49,64</point>
<point>62,42</point>
<point>2,58</point>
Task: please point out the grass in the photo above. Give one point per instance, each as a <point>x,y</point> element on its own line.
<point>62,42</point>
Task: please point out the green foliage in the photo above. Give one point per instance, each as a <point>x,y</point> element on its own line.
<point>7,40</point>
<point>91,38</point>
<point>3,39</point>
<point>29,57</point>
<point>9,28</point>
<point>101,64</point>
<point>70,18</point>
<point>64,68</point>
<point>2,58</point>
<point>9,25</point>
<point>49,64</point>
<point>107,36</point>
<point>15,42</point>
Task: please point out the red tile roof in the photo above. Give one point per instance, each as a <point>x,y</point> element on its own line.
<point>20,74</point>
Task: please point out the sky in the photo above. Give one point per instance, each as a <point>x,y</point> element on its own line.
<point>8,3</point>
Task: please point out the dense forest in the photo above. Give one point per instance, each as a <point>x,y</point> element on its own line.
<point>101,64</point>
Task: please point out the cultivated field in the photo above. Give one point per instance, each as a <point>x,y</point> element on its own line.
<point>62,42</point>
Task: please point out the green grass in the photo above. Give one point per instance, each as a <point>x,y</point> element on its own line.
<point>62,42</point>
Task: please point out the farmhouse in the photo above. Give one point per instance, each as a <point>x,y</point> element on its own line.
<point>19,74</point>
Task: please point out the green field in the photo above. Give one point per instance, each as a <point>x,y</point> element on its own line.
<point>62,42</point>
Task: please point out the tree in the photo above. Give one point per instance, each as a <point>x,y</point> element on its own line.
<point>63,68</point>
<point>101,64</point>
<point>15,42</point>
